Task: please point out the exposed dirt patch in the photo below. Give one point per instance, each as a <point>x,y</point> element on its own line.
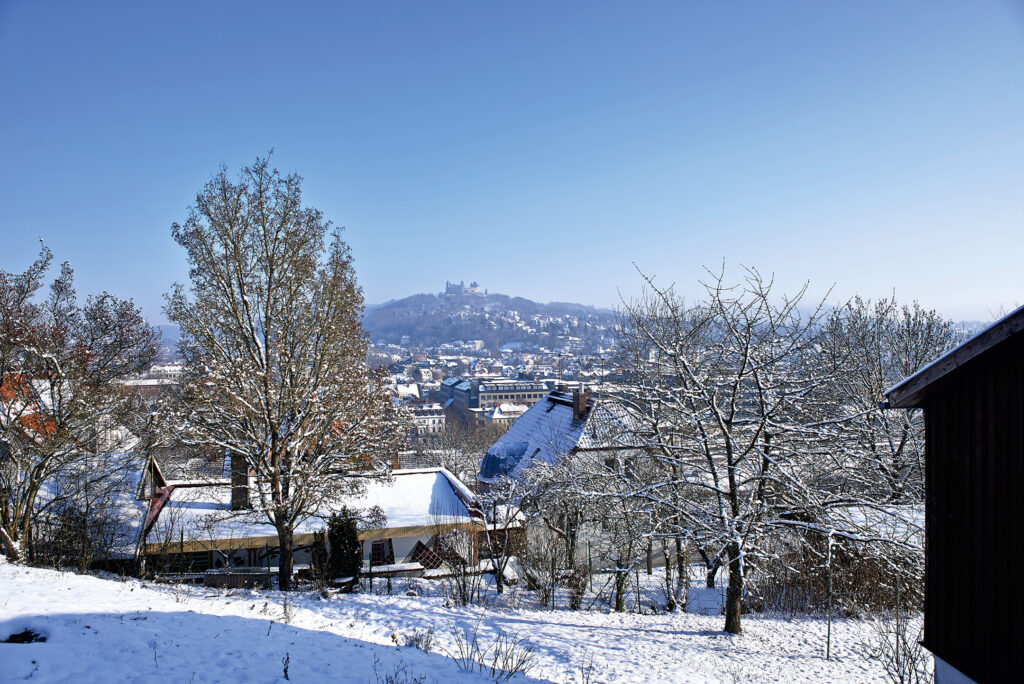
<point>26,637</point>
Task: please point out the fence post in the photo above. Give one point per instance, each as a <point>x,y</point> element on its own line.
<point>828,635</point>
<point>638,608</point>
<point>590,568</point>
<point>552,581</point>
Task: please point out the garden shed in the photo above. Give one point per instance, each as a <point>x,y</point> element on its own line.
<point>973,401</point>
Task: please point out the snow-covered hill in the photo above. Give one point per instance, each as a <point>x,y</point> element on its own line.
<point>111,630</point>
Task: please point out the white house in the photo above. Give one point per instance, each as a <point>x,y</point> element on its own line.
<point>193,524</point>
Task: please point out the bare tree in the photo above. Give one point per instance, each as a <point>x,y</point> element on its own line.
<point>505,532</point>
<point>726,395</point>
<point>275,356</point>
<point>61,397</point>
<point>877,344</point>
<point>622,521</point>
<point>460,446</point>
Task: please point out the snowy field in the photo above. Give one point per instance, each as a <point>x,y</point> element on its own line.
<point>113,630</point>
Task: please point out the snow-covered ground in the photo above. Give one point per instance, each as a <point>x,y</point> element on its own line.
<point>110,630</point>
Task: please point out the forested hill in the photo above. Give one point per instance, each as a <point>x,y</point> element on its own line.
<point>436,319</point>
<point>432,319</point>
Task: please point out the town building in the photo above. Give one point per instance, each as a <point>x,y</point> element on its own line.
<point>461,397</point>
<point>428,420</point>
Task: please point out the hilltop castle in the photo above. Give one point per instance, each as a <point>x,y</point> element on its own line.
<point>460,288</point>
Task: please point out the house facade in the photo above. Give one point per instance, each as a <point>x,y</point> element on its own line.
<point>197,526</point>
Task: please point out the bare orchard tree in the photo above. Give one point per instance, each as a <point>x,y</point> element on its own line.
<point>556,500</point>
<point>505,532</point>
<point>867,487</point>
<point>460,446</point>
<point>275,357</point>
<point>622,521</point>
<point>726,396</point>
<point>61,397</point>
<point>877,344</point>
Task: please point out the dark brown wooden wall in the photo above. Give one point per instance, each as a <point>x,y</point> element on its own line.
<point>974,595</point>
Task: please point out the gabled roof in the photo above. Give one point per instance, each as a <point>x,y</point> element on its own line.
<point>911,392</point>
<point>411,499</point>
<point>547,431</point>
<point>25,405</point>
<point>115,494</point>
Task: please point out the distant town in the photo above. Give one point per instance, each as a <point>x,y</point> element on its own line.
<point>524,350</point>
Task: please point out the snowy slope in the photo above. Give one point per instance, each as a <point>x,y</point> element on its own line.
<point>101,630</point>
<point>105,630</point>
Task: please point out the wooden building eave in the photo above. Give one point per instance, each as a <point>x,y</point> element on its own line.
<point>304,539</point>
<point>911,392</point>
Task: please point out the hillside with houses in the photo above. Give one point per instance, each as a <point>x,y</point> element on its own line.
<point>468,312</point>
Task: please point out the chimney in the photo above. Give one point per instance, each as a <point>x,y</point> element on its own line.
<point>580,402</point>
<point>239,482</point>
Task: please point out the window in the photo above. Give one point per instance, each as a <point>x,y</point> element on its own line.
<point>382,552</point>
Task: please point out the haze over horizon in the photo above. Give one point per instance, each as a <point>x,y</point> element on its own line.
<point>540,150</point>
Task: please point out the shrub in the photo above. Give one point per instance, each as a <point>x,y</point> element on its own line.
<point>345,558</point>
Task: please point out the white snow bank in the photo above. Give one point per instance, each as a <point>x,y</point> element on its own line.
<point>105,630</point>
<point>100,630</point>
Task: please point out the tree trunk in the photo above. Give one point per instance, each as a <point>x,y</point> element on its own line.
<point>709,579</point>
<point>620,589</point>
<point>571,533</point>
<point>670,591</point>
<point>498,560</point>
<point>284,566</point>
<point>11,547</point>
<point>734,590</point>
<point>682,577</point>
<point>499,567</point>
<point>712,567</point>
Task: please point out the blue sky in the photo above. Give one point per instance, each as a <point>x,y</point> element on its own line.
<point>540,148</point>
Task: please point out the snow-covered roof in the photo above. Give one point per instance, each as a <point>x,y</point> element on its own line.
<point>117,479</point>
<point>507,410</point>
<point>410,498</point>
<point>547,431</point>
<point>408,390</point>
<point>419,497</point>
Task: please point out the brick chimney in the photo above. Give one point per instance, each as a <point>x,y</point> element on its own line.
<point>239,483</point>
<point>580,404</point>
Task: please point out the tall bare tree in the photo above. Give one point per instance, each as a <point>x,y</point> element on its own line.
<point>505,533</point>
<point>877,344</point>
<point>61,397</point>
<point>726,392</point>
<point>274,352</point>
<point>460,446</point>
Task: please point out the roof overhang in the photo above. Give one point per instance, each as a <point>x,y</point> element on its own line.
<point>304,539</point>
<point>911,392</point>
